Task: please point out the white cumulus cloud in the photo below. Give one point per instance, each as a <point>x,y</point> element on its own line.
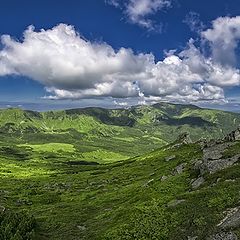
<point>71,67</point>
<point>224,37</point>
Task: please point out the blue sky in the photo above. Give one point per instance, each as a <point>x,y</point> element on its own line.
<point>118,53</point>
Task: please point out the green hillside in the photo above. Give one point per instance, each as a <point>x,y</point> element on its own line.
<point>107,135</point>
<point>170,193</point>
<point>119,174</point>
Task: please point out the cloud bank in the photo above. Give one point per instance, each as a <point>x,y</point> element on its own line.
<point>71,67</point>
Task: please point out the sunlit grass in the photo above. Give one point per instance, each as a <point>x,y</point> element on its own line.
<point>50,147</point>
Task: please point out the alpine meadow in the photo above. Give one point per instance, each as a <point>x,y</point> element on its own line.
<point>119,120</point>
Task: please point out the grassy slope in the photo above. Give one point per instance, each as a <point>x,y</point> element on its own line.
<point>124,200</point>
<point>41,172</point>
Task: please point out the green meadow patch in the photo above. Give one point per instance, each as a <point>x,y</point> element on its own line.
<point>50,147</point>
<point>103,156</point>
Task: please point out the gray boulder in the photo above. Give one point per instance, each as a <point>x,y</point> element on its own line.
<point>163,178</point>
<point>198,182</point>
<point>232,219</point>
<point>170,158</point>
<point>216,165</point>
<point>192,238</point>
<point>223,236</point>
<point>175,202</point>
<point>179,169</point>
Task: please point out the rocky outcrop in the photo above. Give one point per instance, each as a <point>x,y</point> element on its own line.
<point>233,136</point>
<point>214,152</point>
<point>216,165</point>
<point>231,220</point>
<point>184,138</point>
<point>202,142</point>
<point>223,236</point>
<point>213,161</point>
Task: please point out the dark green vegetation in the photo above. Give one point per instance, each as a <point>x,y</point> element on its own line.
<point>16,226</point>
<point>55,185</point>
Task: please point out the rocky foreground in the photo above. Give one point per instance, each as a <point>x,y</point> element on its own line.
<point>214,160</point>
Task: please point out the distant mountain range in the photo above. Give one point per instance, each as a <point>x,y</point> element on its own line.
<point>131,131</point>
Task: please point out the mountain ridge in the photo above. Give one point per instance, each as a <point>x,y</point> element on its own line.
<point>127,116</point>
<point>115,133</point>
